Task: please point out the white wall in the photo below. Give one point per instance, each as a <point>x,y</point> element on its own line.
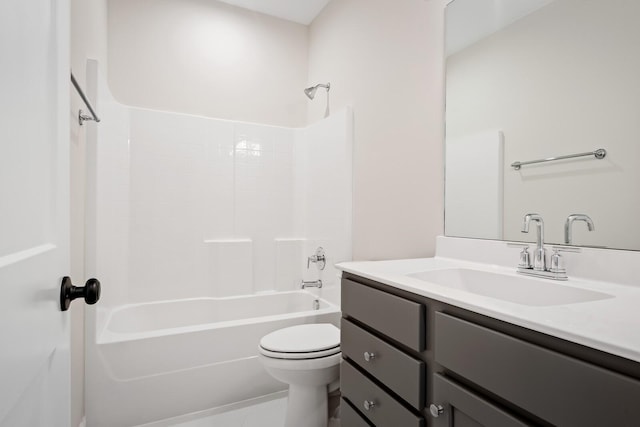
<point>88,40</point>
<point>207,58</point>
<point>385,59</point>
<point>557,89</point>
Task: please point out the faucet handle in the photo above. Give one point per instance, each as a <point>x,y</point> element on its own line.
<point>319,259</point>
<point>557,262</point>
<point>525,258</point>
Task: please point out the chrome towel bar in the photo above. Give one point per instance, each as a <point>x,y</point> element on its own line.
<point>83,117</point>
<point>600,153</point>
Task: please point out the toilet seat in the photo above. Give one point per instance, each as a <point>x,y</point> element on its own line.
<point>302,342</point>
<point>299,356</point>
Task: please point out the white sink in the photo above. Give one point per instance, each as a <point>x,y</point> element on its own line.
<point>512,288</point>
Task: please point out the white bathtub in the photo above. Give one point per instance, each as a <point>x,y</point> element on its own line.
<point>164,359</point>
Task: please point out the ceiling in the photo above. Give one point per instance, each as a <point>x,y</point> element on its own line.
<point>471,20</point>
<point>300,11</point>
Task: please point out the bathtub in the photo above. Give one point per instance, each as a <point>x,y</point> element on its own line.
<point>159,360</point>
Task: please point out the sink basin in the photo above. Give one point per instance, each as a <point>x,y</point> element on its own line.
<point>516,289</point>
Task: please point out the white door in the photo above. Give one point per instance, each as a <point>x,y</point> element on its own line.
<point>34,217</point>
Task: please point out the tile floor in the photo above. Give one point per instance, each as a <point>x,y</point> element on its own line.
<point>267,411</point>
<point>265,414</point>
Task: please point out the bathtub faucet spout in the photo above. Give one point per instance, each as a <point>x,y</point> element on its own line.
<point>312,284</point>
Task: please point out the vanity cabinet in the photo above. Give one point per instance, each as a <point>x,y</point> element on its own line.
<point>413,361</point>
<point>350,417</point>
<point>382,337</point>
<point>459,407</point>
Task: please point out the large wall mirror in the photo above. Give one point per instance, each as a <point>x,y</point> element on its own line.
<point>535,79</point>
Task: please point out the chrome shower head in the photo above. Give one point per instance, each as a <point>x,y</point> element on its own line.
<point>311,91</point>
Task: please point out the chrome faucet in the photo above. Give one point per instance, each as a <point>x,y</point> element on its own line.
<point>320,261</point>
<point>569,222</point>
<point>557,270</point>
<point>540,255</point>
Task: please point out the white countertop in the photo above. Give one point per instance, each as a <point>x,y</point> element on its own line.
<point>611,325</point>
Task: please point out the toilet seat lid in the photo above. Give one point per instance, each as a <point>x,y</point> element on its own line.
<point>302,339</point>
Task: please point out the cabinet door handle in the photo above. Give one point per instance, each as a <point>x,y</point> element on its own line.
<point>436,410</point>
<point>369,356</point>
<point>369,404</point>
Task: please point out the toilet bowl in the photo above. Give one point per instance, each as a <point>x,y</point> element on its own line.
<point>307,358</point>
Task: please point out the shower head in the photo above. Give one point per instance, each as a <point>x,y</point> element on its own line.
<point>311,91</point>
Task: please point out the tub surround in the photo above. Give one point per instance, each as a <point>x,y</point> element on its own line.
<point>224,208</point>
<point>608,324</point>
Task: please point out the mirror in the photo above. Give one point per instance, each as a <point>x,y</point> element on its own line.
<point>534,79</point>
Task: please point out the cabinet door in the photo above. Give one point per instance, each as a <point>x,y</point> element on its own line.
<point>462,408</point>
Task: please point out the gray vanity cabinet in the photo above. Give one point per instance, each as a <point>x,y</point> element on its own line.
<point>349,417</point>
<point>382,374</point>
<point>378,406</point>
<point>388,314</point>
<point>460,407</point>
<point>413,361</point>
<point>557,388</point>
<point>394,368</point>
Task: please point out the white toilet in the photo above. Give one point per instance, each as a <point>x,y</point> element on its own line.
<point>307,357</point>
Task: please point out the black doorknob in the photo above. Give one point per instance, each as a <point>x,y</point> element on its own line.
<point>90,292</point>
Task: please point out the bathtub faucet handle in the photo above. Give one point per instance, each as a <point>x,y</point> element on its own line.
<point>318,259</point>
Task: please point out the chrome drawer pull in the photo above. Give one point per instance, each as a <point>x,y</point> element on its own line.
<point>436,410</point>
<point>369,404</point>
<point>369,356</point>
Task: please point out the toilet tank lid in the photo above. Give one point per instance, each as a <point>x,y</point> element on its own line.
<point>302,338</point>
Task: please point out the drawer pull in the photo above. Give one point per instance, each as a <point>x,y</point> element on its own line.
<point>369,404</point>
<point>436,410</point>
<point>369,356</point>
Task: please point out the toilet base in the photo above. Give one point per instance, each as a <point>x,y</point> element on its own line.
<point>307,406</point>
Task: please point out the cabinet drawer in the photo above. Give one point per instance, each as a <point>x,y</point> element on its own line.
<point>356,388</point>
<point>462,408</point>
<point>557,388</point>
<point>400,319</point>
<point>349,417</point>
<point>397,370</point>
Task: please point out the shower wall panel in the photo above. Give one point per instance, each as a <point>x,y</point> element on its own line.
<point>195,180</point>
<point>181,206</point>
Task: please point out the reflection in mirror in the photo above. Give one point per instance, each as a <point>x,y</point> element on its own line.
<point>533,79</point>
